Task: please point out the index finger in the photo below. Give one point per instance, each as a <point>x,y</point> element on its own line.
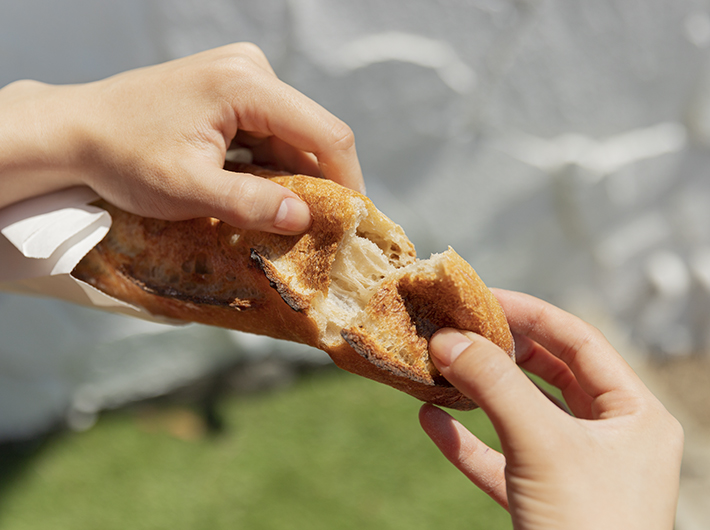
<point>597,366</point>
<point>280,110</point>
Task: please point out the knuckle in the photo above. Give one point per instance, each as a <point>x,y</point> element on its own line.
<point>246,197</point>
<point>589,338</point>
<point>679,437</point>
<point>652,412</point>
<point>235,66</point>
<point>342,137</point>
<point>562,378</point>
<point>246,202</point>
<point>227,71</point>
<point>678,431</point>
<point>242,58</point>
<point>249,49</point>
<point>674,430</point>
<point>23,86</point>
<point>525,349</point>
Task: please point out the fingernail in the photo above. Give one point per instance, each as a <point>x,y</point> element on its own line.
<point>447,344</point>
<point>293,215</point>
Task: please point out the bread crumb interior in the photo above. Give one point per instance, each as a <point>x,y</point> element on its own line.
<point>365,257</point>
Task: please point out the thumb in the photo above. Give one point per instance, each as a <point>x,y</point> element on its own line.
<point>485,373</point>
<point>253,203</point>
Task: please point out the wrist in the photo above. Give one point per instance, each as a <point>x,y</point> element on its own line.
<point>40,134</point>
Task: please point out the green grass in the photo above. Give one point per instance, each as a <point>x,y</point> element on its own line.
<point>334,451</point>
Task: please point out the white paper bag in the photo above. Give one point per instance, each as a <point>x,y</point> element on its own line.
<point>43,240</point>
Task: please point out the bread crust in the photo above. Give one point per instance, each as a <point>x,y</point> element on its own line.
<point>203,270</point>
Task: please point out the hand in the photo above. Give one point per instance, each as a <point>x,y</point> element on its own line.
<point>614,464</point>
<point>153,140</point>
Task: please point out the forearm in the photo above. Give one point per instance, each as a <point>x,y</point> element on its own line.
<point>41,139</point>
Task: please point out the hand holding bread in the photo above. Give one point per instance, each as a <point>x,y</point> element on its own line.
<point>613,464</point>
<point>153,140</point>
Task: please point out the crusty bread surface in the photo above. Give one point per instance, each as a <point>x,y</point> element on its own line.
<point>350,285</point>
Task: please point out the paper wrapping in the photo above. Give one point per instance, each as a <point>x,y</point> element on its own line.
<point>43,240</point>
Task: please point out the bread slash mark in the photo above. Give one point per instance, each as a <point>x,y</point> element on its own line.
<point>293,299</point>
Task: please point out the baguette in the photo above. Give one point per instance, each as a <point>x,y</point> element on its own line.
<point>350,285</point>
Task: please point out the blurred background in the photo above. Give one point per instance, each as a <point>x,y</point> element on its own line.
<point>561,147</point>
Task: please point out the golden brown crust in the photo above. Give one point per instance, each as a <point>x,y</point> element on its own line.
<point>205,271</point>
<point>441,292</point>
